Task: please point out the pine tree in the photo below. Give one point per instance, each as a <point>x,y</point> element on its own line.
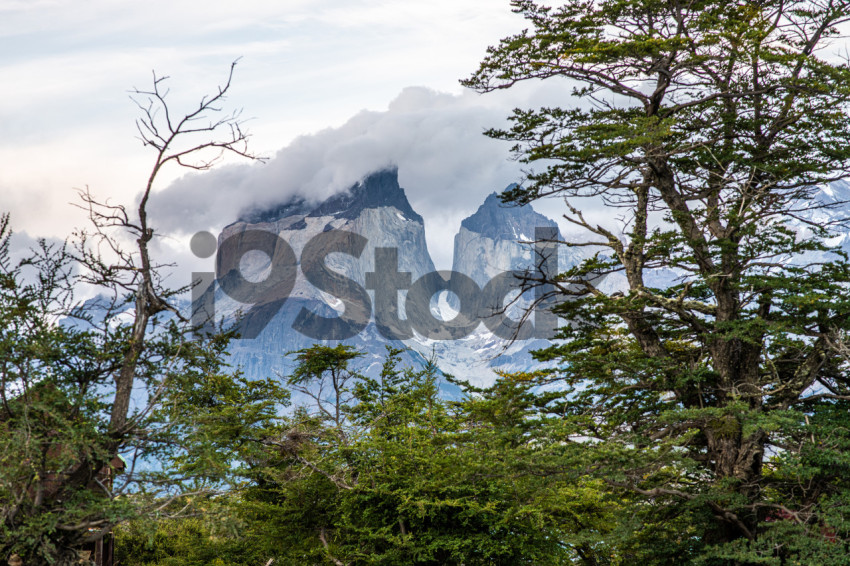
<point>716,403</point>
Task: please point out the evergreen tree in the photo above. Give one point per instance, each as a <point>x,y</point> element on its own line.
<point>716,405</point>
<point>384,471</point>
<point>84,385</point>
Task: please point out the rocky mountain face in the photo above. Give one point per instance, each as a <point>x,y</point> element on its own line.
<point>498,240</point>
<point>377,211</point>
<point>320,285</point>
<point>492,240</point>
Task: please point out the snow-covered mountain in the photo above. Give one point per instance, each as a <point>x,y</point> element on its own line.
<point>376,209</point>
<point>499,240</point>
<point>829,208</point>
<point>495,239</point>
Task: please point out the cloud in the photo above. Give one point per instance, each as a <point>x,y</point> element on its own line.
<point>66,121</point>
<point>446,165</point>
<point>435,139</point>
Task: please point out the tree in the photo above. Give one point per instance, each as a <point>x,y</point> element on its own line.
<point>83,384</point>
<point>712,400</point>
<point>396,475</point>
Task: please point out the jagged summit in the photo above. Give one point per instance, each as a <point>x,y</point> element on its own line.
<point>488,244</point>
<point>834,193</point>
<point>499,221</point>
<point>377,190</point>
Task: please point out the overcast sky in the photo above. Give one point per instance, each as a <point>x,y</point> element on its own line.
<point>334,88</point>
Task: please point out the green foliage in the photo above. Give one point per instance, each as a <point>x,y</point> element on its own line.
<point>211,539</point>
<point>60,482</point>
<point>404,477</point>
<point>708,126</point>
<point>110,409</point>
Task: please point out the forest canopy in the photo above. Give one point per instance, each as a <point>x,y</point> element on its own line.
<point>696,414</point>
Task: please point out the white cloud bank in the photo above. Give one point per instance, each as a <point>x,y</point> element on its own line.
<point>446,165</point>
<point>65,120</point>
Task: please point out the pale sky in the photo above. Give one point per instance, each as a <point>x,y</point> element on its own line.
<point>364,82</point>
<point>336,88</point>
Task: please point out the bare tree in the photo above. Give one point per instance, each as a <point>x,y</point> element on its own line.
<point>220,133</point>
<point>119,375</point>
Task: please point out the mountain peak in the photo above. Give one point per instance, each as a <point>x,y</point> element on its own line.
<point>493,200</point>
<point>500,221</point>
<point>376,190</point>
<point>834,193</point>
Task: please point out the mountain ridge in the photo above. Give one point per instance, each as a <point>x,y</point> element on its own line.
<point>377,209</point>
<point>376,190</point>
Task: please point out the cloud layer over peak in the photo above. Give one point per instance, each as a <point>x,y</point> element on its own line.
<point>435,139</point>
